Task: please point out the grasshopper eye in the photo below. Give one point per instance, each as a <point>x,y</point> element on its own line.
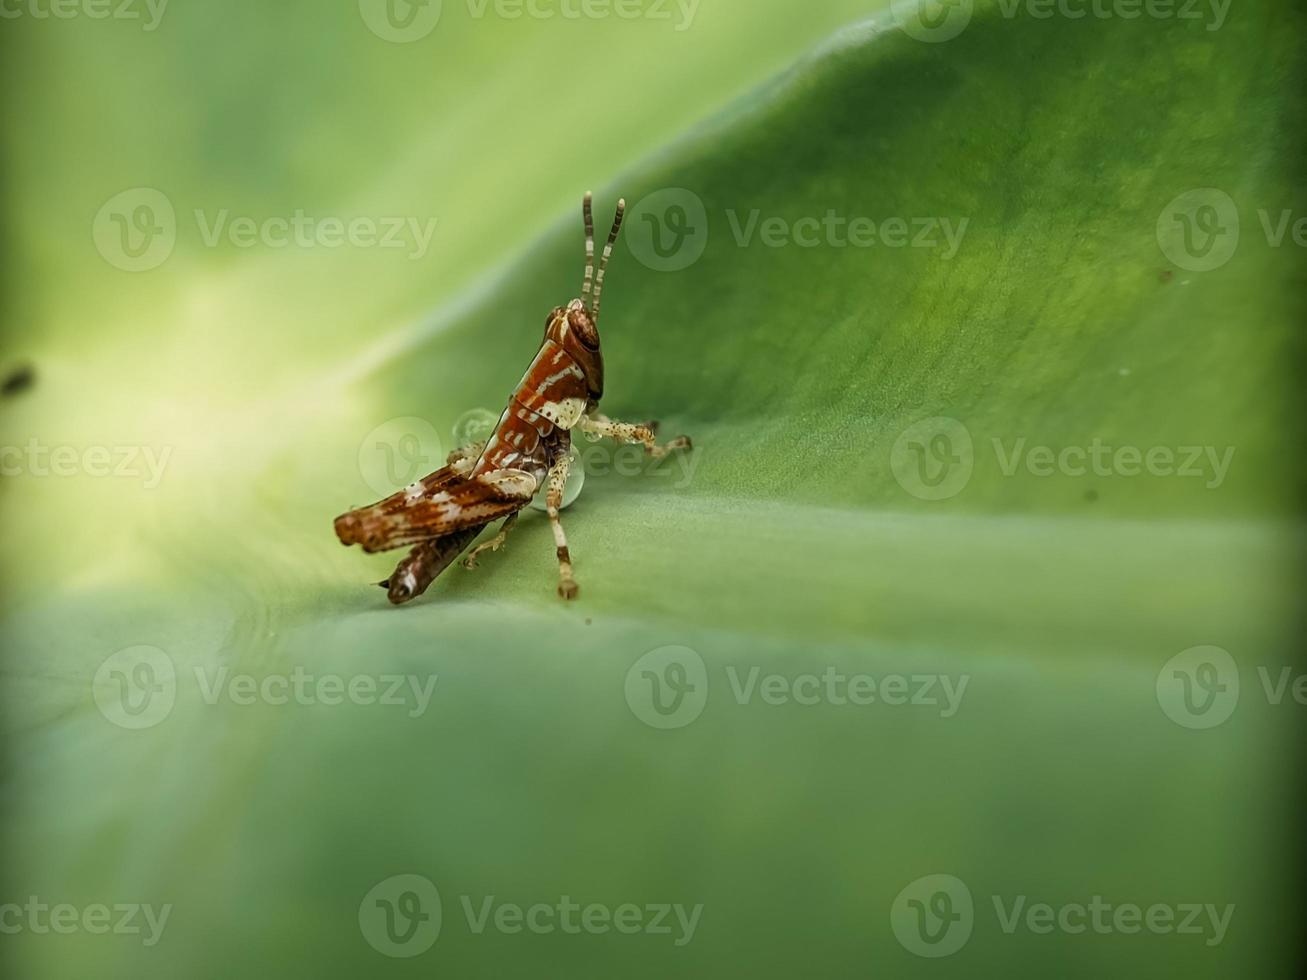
<point>584,327</point>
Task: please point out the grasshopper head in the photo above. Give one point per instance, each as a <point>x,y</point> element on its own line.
<point>573,328</point>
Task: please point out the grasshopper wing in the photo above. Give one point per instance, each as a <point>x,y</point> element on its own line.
<point>451,502</point>
<point>411,494</point>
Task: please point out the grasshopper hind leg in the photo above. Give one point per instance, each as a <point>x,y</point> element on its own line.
<point>424,563</point>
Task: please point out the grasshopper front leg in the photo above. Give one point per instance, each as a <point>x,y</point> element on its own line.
<point>603,426</point>
<point>557,480</point>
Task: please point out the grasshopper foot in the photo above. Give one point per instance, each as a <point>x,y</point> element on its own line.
<point>470,562</point>
<point>494,544</point>
<point>568,589</point>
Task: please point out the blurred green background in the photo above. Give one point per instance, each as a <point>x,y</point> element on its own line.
<point>1086,233</point>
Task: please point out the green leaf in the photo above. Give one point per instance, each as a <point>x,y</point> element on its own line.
<point>831,523</point>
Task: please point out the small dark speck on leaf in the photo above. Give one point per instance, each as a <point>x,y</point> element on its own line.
<point>1166,275</point>
<point>17,381</point>
<point>587,621</point>
<point>1091,495</point>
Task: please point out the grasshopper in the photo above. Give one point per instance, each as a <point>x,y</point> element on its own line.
<point>440,515</point>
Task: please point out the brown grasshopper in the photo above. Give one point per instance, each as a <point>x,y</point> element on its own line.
<point>440,515</point>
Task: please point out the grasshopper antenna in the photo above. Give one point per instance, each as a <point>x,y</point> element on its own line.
<point>588,216</point>
<point>608,250</point>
